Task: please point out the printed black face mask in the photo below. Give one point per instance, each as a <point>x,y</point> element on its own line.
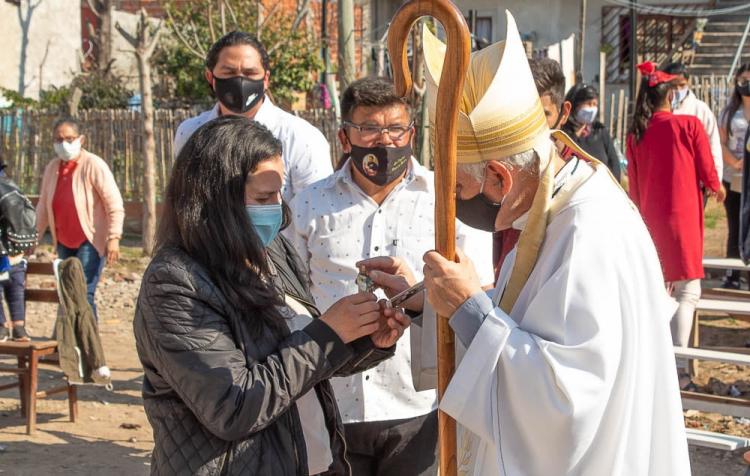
<point>381,165</point>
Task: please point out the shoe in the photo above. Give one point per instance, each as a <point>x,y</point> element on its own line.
<point>103,372</point>
<point>20,335</point>
<point>728,283</point>
<point>4,333</point>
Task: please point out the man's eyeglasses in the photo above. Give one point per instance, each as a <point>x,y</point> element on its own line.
<point>373,132</point>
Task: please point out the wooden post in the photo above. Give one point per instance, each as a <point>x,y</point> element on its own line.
<point>602,84</point>
<point>611,122</point>
<point>582,36</point>
<point>620,115</point>
<point>446,122</point>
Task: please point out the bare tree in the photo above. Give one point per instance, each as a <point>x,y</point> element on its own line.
<point>144,43</point>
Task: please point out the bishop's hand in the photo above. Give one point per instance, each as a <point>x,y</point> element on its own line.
<point>449,284</point>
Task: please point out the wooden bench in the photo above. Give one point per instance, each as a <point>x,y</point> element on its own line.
<point>725,263</point>
<point>738,309</point>
<point>725,405</point>
<point>29,356</point>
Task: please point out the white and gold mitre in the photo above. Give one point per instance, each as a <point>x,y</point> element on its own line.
<point>500,112</point>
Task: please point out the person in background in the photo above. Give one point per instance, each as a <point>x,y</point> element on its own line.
<point>17,236</point>
<point>686,102</point>
<point>550,84</point>
<point>80,203</point>
<point>669,156</point>
<point>733,124</point>
<point>237,358</point>
<point>381,202</point>
<point>239,72</point>
<point>583,126</point>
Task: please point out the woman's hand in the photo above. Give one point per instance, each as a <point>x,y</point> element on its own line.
<point>393,323</point>
<point>393,275</point>
<point>737,164</point>
<point>354,316</point>
<point>720,195</point>
<point>113,251</point>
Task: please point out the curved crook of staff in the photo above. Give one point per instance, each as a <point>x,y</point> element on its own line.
<point>449,94</point>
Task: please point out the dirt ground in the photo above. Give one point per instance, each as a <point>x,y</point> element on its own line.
<point>101,441</point>
<point>113,437</point>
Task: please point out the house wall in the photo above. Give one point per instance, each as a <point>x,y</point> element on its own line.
<point>551,21</point>
<point>41,44</point>
<point>542,22</point>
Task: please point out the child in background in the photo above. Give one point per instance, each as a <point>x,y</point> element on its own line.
<point>17,235</point>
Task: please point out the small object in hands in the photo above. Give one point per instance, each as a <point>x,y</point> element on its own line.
<point>364,283</point>
<point>404,295</point>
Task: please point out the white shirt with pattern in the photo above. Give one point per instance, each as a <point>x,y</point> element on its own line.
<point>304,149</point>
<point>334,225</point>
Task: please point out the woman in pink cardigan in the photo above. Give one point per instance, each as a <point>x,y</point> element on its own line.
<point>80,202</point>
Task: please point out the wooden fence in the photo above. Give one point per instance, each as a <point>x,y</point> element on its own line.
<point>114,135</point>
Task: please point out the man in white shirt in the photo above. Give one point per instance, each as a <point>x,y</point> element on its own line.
<point>239,72</point>
<point>380,202</point>
<point>687,103</point>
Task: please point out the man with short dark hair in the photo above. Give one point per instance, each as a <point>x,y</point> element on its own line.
<point>685,102</point>
<point>381,202</point>
<point>239,72</point>
<point>550,84</point>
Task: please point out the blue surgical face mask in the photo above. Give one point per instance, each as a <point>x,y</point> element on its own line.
<point>679,96</point>
<point>266,220</point>
<point>586,115</point>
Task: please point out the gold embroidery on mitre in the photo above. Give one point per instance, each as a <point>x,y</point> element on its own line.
<point>500,113</point>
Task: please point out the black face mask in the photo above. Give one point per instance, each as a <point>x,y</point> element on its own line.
<point>559,117</point>
<point>744,90</point>
<point>478,212</point>
<point>239,94</point>
<point>381,165</point>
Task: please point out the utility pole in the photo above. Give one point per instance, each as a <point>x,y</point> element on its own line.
<point>329,78</point>
<point>347,59</point>
<point>581,40</point>
<point>633,50</point>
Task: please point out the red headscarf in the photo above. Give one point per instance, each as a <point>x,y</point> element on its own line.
<point>655,77</point>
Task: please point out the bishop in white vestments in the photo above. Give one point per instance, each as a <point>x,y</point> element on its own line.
<point>566,367</point>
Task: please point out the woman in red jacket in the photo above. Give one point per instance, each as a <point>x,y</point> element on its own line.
<point>669,156</point>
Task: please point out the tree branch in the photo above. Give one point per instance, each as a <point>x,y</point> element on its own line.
<point>222,15</point>
<point>210,19</point>
<point>183,40</point>
<point>231,13</point>
<point>301,14</point>
<point>128,37</point>
<point>197,40</point>
<point>274,9</point>
<point>154,40</point>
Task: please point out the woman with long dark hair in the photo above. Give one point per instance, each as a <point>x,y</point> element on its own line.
<point>584,127</point>
<point>733,124</point>
<point>236,356</point>
<point>669,156</point>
